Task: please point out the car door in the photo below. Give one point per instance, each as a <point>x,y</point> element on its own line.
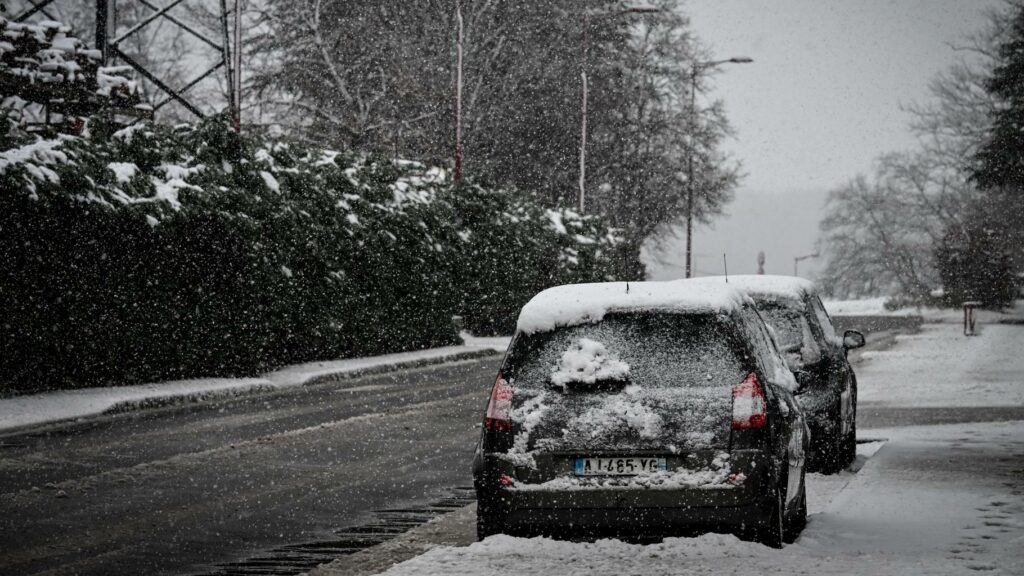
<point>838,370</point>
<point>791,432</point>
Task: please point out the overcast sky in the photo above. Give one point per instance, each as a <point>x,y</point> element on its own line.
<point>821,100</point>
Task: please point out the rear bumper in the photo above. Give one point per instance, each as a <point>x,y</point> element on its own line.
<point>631,522</point>
<point>635,515</point>
<point>628,512</point>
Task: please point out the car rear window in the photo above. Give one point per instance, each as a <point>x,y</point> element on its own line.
<point>631,381</point>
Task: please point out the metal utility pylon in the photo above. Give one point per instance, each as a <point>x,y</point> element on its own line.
<point>108,42</point>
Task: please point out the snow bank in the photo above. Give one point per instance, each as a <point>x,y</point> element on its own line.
<point>865,307</point>
<point>574,304</point>
<point>35,409</point>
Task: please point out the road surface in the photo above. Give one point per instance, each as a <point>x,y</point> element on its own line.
<point>175,491</point>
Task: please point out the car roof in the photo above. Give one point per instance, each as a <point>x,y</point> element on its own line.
<point>574,304</point>
<point>765,287</point>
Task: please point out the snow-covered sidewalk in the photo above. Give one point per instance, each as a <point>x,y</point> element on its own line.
<point>939,366</point>
<point>47,407</point>
<point>935,500</point>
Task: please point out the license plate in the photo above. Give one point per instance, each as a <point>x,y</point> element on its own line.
<point>618,466</point>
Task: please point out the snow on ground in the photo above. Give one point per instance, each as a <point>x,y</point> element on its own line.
<point>866,307</point>
<point>939,366</point>
<point>496,343</point>
<point>34,409</point>
<point>876,307</point>
<point>911,510</point>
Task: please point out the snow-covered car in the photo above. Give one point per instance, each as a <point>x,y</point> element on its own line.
<point>828,385</point>
<point>642,409</point>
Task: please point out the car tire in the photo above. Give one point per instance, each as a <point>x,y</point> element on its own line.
<point>795,524</point>
<point>850,445</point>
<point>830,452</point>
<point>771,531</point>
<point>850,442</point>
<point>487,523</point>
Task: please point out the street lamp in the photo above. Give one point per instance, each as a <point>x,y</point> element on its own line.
<point>457,176</point>
<point>797,260</point>
<point>583,75</point>
<point>695,69</point>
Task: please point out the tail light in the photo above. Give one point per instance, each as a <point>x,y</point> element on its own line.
<point>499,409</point>
<point>748,404</point>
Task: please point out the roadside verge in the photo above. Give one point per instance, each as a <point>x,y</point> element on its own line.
<point>19,412</point>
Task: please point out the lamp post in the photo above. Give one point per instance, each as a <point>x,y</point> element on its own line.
<point>583,77</point>
<point>796,261</point>
<point>695,70</point>
<point>457,176</point>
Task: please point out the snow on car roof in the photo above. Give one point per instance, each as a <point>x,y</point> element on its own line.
<point>766,285</point>
<point>574,304</point>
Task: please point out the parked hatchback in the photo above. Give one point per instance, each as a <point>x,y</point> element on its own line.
<point>642,409</point>
<point>828,385</point>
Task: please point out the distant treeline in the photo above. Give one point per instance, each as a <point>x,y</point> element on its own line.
<point>943,222</point>
<point>160,253</point>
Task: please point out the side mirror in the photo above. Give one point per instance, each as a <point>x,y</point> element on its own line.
<point>803,380</point>
<point>852,339</point>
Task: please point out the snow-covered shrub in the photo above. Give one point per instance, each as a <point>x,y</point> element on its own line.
<point>160,252</point>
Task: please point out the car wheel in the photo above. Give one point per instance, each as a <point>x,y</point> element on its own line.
<point>850,445</point>
<point>771,531</point>
<point>486,523</point>
<point>795,524</point>
<point>831,449</point>
<point>850,442</point>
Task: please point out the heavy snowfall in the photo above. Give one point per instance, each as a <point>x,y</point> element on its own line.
<point>473,287</point>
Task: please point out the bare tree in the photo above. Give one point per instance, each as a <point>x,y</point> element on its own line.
<point>880,233</point>
<point>378,76</point>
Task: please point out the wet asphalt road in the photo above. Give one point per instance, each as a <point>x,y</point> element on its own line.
<point>180,490</point>
<point>177,490</point>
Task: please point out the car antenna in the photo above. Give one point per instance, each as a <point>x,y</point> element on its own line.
<point>725,264</point>
<point>627,286</point>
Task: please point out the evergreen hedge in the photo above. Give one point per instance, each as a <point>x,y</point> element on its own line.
<point>160,253</point>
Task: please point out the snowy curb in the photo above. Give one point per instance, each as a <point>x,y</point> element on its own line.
<point>457,528</point>
<point>21,412</point>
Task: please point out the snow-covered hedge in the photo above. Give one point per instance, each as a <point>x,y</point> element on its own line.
<point>162,252</point>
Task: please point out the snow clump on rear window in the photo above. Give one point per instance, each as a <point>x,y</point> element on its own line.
<point>586,362</point>
<point>627,411</point>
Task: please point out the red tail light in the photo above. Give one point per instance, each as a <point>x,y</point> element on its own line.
<point>748,404</point>
<point>499,409</point>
